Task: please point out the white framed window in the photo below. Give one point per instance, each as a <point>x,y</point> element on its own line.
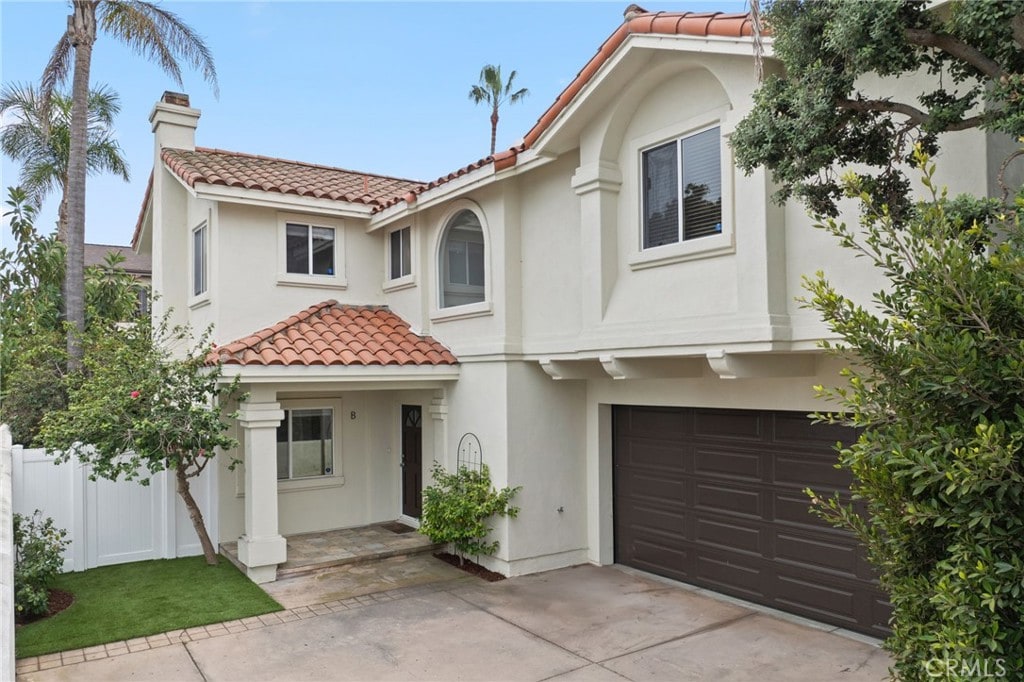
<point>681,189</point>
<point>400,253</point>
<point>200,260</point>
<point>311,252</point>
<point>461,269</point>
<point>306,443</point>
<point>309,249</point>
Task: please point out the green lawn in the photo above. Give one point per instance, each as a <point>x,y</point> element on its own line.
<point>144,598</point>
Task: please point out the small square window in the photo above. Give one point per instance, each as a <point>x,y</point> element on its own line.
<point>199,260</point>
<point>682,189</point>
<point>305,444</point>
<point>309,250</point>
<point>401,253</point>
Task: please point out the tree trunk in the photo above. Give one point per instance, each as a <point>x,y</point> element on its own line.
<point>494,128</point>
<point>82,34</point>
<point>62,219</point>
<point>197,516</point>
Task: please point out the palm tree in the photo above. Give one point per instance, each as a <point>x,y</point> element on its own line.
<point>154,33</point>
<point>43,146</point>
<point>493,91</point>
<point>157,35</point>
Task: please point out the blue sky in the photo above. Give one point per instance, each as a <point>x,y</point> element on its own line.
<point>375,86</point>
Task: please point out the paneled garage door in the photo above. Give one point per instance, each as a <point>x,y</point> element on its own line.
<point>715,498</point>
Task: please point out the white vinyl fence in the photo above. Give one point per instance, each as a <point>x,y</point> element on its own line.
<point>111,522</point>
<point>6,559</point>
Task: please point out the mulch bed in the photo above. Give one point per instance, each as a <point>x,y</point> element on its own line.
<point>470,567</point>
<point>59,600</point>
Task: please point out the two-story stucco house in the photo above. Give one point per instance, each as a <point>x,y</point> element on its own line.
<point>605,314</point>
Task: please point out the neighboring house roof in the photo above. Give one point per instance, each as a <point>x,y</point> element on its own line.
<point>330,333</point>
<point>134,263</point>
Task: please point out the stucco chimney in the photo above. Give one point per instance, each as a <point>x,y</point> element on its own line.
<point>174,122</point>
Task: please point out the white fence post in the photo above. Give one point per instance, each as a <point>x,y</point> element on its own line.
<point>6,556</point>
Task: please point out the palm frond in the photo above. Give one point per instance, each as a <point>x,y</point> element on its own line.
<point>56,71</point>
<point>159,36</point>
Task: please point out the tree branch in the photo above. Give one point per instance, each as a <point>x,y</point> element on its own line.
<point>958,49</point>
<point>916,116</point>
<point>1017,24</point>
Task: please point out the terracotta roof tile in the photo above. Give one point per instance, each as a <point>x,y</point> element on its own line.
<point>330,333</point>
<point>235,169</point>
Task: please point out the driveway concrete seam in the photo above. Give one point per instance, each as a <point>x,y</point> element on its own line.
<point>699,631</point>
<point>526,630</point>
<point>194,661</point>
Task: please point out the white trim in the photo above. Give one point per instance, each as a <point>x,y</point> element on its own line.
<point>405,281</point>
<point>275,200</point>
<point>337,476</point>
<point>692,249</point>
<point>477,308</point>
<point>202,298</point>
<point>408,520</point>
<point>381,376</point>
<point>285,278</point>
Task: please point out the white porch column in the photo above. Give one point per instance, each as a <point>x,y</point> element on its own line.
<point>261,548</point>
<point>439,413</point>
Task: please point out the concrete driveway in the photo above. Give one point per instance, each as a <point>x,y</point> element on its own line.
<point>583,623</point>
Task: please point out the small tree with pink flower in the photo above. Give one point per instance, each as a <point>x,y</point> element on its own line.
<point>145,401</point>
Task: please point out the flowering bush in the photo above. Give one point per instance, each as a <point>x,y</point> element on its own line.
<point>38,546</point>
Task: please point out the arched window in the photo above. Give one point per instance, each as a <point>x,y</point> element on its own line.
<point>462,261</point>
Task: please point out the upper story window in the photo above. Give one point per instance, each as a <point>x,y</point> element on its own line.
<point>200,260</point>
<point>400,248</point>
<point>309,250</point>
<point>682,189</point>
<point>461,268</point>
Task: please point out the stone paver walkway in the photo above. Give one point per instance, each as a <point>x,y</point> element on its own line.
<point>315,551</point>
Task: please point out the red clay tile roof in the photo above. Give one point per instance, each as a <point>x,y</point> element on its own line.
<point>248,171</point>
<point>330,333</point>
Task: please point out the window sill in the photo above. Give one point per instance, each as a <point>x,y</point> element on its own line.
<point>462,312</point>
<point>704,247</point>
<point>303,485</point>
<point>314,281</point>
<point>406,282</point>
<point>195,302</point>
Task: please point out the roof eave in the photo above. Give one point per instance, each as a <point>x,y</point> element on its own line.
<point>354,377</point>
<point>276,200</point>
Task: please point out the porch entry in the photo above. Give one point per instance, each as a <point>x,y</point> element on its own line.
<point>412,460</point>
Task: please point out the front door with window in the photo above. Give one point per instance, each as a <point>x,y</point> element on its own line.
<point>412,460</point>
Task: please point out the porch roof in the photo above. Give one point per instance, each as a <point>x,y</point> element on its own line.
<point>331,334</point>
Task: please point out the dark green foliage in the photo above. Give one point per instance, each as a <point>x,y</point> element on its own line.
<point>38,549</point>
<point>33,358</point>
<point>820,115</point>
<point>937,382</point>
<point>457,506</point>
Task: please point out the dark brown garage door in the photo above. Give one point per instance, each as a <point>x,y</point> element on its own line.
<point>715,498</point>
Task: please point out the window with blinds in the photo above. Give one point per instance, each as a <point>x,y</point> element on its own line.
<point>682,189</point>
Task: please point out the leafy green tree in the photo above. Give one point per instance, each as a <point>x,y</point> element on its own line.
<point>937,383</point>
<point>154,33</point>
<point>492,90</point>
<point>145,402</point>
<point>32,352</point>
<point>43,146</point>
<point>456,508</point>
<point>821,114</point>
